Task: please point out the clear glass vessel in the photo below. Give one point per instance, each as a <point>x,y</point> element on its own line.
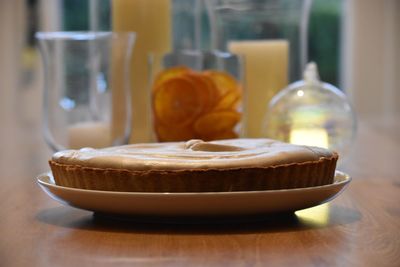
<point>311,112</point>
<point>271,35</point>
<point>196,95</point>
<point>86,88</point>
<point>250,20</point>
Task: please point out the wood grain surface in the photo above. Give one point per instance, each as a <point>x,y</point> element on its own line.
<point>359,228</point>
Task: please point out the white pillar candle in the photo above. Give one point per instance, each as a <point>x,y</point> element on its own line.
<point>89,134</point>
<point>265,73</point>
<point>151,20</point>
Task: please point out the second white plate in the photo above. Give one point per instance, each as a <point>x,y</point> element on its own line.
<point>194,204</point>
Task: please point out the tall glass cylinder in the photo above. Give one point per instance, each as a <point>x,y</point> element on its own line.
<point>272,37</point>
<point>83,73</point>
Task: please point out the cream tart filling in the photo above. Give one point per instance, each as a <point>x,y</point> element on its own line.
<point>194,155</point>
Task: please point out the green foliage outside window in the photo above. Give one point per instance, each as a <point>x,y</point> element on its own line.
<point>324,38</point>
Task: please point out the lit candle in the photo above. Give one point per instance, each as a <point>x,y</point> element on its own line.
<point>89,134</point>
<point>266,73</point>
<point>151,20</point>
<point>309,137</point>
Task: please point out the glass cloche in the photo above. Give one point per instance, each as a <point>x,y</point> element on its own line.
<point>311,112</point>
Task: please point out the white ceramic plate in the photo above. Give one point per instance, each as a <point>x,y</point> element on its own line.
<point>194,204</point>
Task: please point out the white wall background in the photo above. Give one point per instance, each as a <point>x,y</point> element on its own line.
<point>371,57</point>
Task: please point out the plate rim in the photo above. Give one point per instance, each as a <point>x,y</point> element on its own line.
<point>39,179</point>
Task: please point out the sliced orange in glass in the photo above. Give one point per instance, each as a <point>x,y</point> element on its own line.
<point>212,90</point>
<point>230,134</point>
<point>173,133</point>
<point>229,101</point>
<point>209,91</point>
<point>177,101</point>
<point>169,73</point>
<point>224,81</point>
<point>215,122</point>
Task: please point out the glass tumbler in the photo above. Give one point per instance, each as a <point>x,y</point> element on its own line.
<point>86,88</point>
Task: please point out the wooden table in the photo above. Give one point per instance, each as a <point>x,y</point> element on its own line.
<point>359,228</point>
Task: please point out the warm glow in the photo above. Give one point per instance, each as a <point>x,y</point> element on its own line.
<point>309,137</point>
<point>317,216</point>
<point>300,93</point>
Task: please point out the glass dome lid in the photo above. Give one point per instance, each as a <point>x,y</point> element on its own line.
<point>311,112</point>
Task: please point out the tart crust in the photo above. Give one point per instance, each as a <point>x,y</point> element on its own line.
<point>285,176</point>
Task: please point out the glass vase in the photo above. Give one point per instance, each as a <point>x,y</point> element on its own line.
<point>271,35</point>
<point>86,74</point>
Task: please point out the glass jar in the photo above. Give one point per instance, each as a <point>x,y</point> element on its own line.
<point>271,35</point>
<point>196,95</point>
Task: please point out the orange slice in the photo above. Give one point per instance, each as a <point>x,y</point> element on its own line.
<point>169,73</point>
<point>177,101</point>
<point>224,81</point>
<point>212,90</point>
<point>209,91</point>
<point>229,101</point>
<point>216,122</point>
<point>230,134</point>
<point>173,133</point>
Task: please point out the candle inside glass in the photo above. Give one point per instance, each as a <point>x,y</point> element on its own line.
<point>89,134</point>
<point>309,137</point>
<point>151,20</point>
<point>266,73</point>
